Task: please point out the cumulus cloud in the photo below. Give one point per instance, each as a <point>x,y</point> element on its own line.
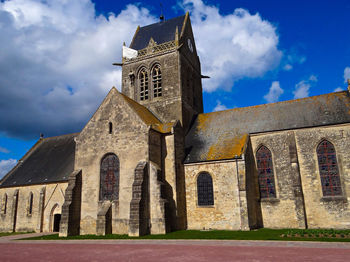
<point>219,106</point>
<point>6,166</point>
<point>4,150</point>
<point>274,93</point>
<point>346,74</point>
<point>232,46</point>
<point>56,57</point>
<point>56,62</point>
<point>303,87</point>
<point>338,89</point>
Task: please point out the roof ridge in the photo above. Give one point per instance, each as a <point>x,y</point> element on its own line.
<point>52,137</point>
<point>275,103</point>
<point>163,21</point>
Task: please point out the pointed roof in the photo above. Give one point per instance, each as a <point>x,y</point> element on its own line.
<point>160,32</point>
<point>222,135</point>
<point>49,160</point>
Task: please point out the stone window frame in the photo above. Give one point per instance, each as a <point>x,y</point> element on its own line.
<point>30,204</point>
<point>197,193</point>
<point>156,92</point>
<point>144,94</point>
<point>4,204</point>
<point>323,198</point>
<point>100,173</point>
<point>271,199</point>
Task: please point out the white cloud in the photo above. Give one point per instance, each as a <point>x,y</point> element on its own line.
<point>274,93</point>
<point>4,150</point>
<point>303,87</point>
<point>6,166</point>
<point>346,74</point>
<point>232,46</point>
<point>56,62</point>
<point>288,67</point>
<point>219,106</point>
<point>56,57</point>
<point>338,89</point>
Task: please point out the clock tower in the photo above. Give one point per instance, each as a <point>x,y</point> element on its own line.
<point>161,70</point>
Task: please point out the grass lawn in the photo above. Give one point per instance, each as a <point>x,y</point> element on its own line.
<point>12,233</point>
<point>328,235</point>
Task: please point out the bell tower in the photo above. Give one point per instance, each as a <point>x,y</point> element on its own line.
<point>161,70</point>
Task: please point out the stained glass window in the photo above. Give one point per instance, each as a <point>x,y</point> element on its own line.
<point>143,78</point>
<point>205,190</point>
<point>109,178</point>
<point>327,162</point>
<point>265,173</point>
<point>157,81</point>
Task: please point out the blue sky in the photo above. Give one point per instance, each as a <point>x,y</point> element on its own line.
<point>56,56</point>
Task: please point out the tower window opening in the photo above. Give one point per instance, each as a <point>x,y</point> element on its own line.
<point>157,81</point>
<point>143,77</point>
<point>110,127</point>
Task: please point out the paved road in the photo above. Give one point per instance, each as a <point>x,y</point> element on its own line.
<point>169,250</point>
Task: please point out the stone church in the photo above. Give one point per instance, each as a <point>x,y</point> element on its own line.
<point>149,161</point>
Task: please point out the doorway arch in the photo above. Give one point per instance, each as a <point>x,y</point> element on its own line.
<point>55,218</point>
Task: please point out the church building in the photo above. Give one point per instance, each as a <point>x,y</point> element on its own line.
<point>149,161</point>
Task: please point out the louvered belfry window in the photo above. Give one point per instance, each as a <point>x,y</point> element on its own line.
<point>109,178</point>
<point>143,78</point>
<point>328,166</point>
<point>265,173</point>
<point>205,190</point>
<point>157,81</point>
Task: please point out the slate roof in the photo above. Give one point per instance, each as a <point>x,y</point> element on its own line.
<point>222,135</point>
<point>161,32</point>
<point>49,160</point>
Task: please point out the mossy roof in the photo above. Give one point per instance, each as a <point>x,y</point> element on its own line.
<point>222,135</point>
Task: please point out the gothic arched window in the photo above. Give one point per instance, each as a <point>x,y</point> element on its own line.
<point>4,204</point>
<point>327,162</point>
<point>109,178</point>
<point>265,173</point>
<point>143,81</point>
<point>205,189</point>
<point>30,204</point>
<point>157,81</point>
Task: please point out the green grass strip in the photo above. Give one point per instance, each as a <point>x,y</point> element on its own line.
<point>260,234</point>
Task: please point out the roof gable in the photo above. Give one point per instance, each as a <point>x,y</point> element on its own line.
<point>160,32</point>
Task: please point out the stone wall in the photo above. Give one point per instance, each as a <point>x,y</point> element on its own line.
<point>324,212</point>
<point>128,140</point>
<point>229,211</point>
<point>47,201</point>
<point>280,212</point>
<point>300,202</point>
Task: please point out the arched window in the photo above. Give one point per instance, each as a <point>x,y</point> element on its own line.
<point>265,173</point>
<point>157,81</point>
<point>109,178</point>
<point>327,162</point>
<point>4,204</point>
<point>30,203</point>
<point>205,189</point>
<point>143,80</point>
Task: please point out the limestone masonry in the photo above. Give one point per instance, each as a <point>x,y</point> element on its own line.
<point>150,161</point>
